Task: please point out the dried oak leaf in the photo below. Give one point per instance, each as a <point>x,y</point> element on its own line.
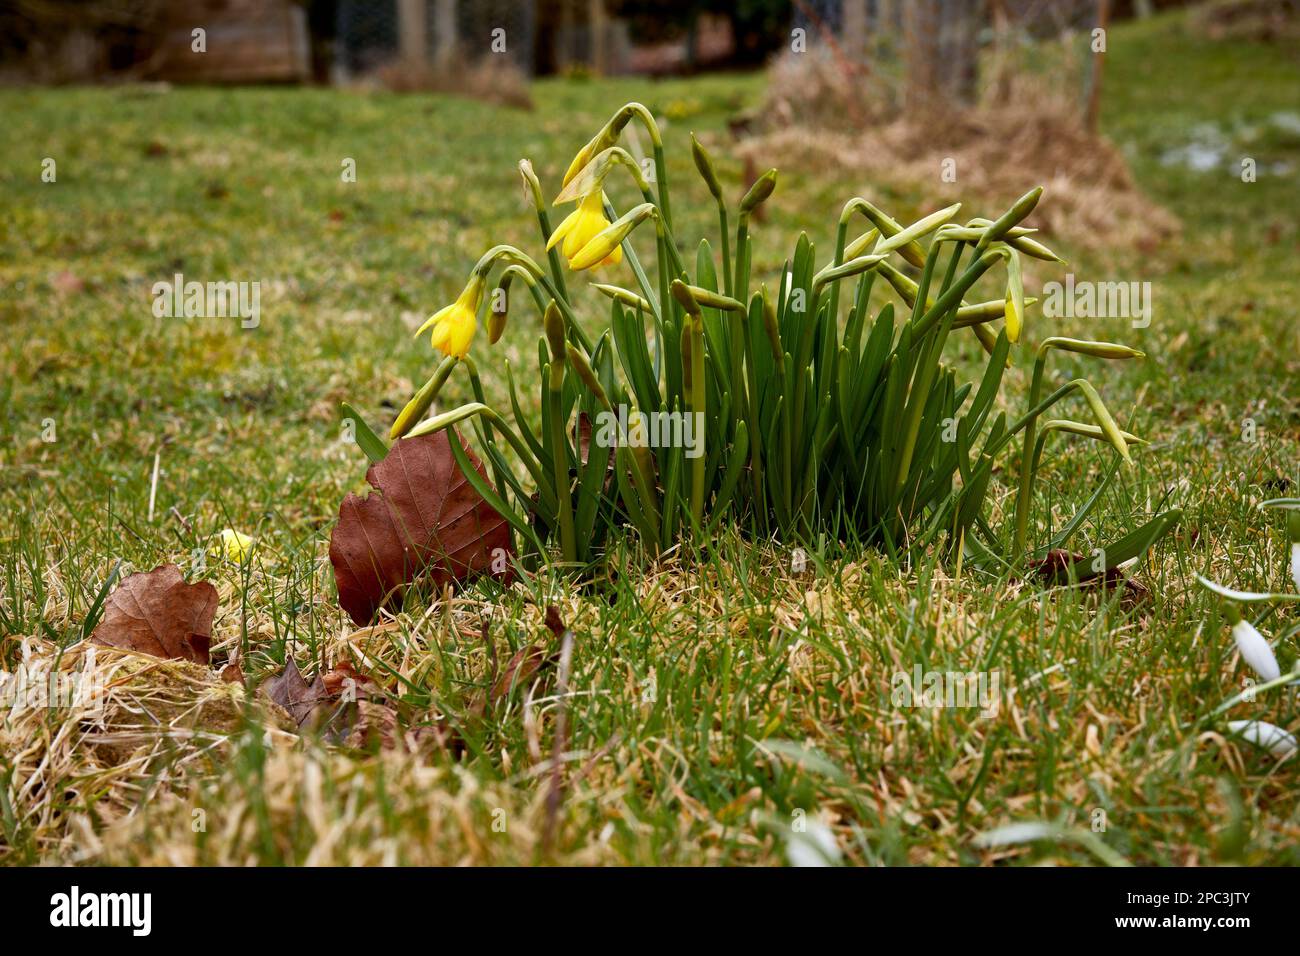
<point>422,517</point>
<point>158,613</point>
<point>306,703</point>
<point>344,705</point>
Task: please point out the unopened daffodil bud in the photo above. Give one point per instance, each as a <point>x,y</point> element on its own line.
<point>1085,430</point>
<point>705,165</point>
<point>886,226</point>
<point>685,297</point>
<point>1021,208</point>
<point>922,227</point>
<point>759,192</point>
<point>709,299</point>
<point>499,301</point>
<point>1104,419</point>
<point>423,399</point>
<point>907,289</point>
<point>532,185</point>
<point>609,135</point>
<point>981,312</point>
<point>1015,319</point>
<point>1015,296</point>
<point>553,323</point>
<point>1106,350</point>
<point>619,294</point>
<point>861,244</point>
<point>586,374</point>
<point>1017,237</point>
<point>851,267</point>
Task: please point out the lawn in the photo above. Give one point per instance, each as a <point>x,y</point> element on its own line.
<point>718,699</point>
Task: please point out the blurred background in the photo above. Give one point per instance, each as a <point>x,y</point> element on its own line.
<point>409,43</point>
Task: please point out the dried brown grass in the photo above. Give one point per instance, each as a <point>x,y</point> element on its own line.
<point>1260,21</point>
<point>822,117</point>
<point>490,79</point>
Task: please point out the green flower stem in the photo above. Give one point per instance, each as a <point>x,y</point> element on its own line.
<point>726,246</point>
<point>921,389</point>
<point>511,254</point>
<point>476,385</point>
<point>740,404</point>
<point>696,403</point>
<point>740,287</point>
<point>841,236</point>
<point>756,433</point>
<point>661,177</point>
<point>664,277</point>
<point>1075,385</point>
<point>951,297</point>
<point>456,415</point>
<point>544,224</point>
<point>1025,491</point>
<point>560,462</point>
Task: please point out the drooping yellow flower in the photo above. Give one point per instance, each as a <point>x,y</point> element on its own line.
<point>581,226</point>
<point>454,325</point>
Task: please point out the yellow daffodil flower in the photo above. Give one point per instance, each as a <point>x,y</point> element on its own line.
<point>581,226</point>
<point>454,326</point>
<point>235,545</point>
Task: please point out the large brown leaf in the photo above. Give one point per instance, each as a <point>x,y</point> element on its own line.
<point>158,613</point>
<point>422,518</point>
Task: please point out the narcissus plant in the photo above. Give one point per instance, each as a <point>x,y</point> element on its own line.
<point>793,408</point>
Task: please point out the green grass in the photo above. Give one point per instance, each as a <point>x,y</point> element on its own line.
<point>716,697</point>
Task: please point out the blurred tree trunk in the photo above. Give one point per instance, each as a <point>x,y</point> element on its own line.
<point>411,31</point>
<point>444,29</point>
<point>941,52</point>
<point>597,23</point>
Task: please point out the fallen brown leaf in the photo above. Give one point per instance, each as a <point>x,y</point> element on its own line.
<point>158,613</point>
<point>304,702</point>
<point>1057,566</point>
<point>422,517</point>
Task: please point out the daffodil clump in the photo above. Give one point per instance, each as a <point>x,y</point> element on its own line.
<point>799,408</point>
